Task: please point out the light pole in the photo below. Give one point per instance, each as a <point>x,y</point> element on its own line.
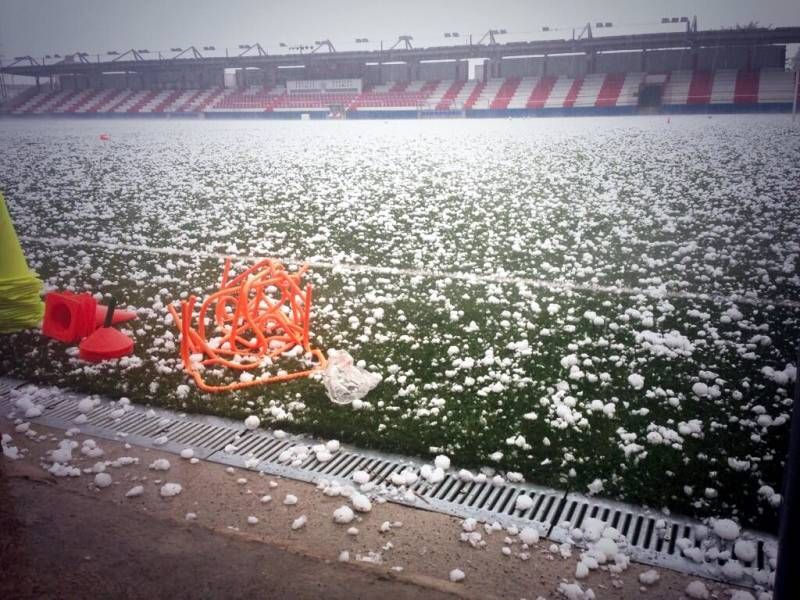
<point>455,35</point>
<point>787,581</point>
<point>491,35</point>
<point>796,62</point>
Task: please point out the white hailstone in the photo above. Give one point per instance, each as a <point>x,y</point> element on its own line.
<point>252,422</point>
<point>352,531</point>
<point>745,550</point>
<point>160,464</point>
<point>654,437</point>
<point>85,405</point>
<point>251,520</point>
<point>465,475</point>
<point>290,500</point>
<point>456,575</point>
<point>697,590</point>
<point>442,462</point>
<point>265,499</point>
<point>433,475</point>
<point>135,491</point>
<point>360,477</point>
<point>299,522</point>
<point>733,570</point>
<point>323,456</point>
<point>649,577</point>
<point>595,487</point>
<point>343,514</point>
<point>344,556</point>
<point>700,389</point>
<point>636,381</point>
<point>524,502</point>
<point>360,502</point>
<point>187,453</point>
<point>529,536</point>
<point>170,489</point>
<point>469,524</point>
<point>91,449</point>
<point>333,446</point>
<point>726,529</point>
<point>581,570</point>
<point>190,516</point>
<point>102,480</point>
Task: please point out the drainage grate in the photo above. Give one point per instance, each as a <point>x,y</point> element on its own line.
<point>7,384</point>
<point>12,390</point>
<point>658,539</point>
<point>652,538</point>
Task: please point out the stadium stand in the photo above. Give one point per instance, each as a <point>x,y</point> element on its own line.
<point>683,91</point>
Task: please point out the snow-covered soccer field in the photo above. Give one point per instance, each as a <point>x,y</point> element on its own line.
<point>602,305</point>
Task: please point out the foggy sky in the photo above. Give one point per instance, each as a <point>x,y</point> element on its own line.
<point>39,27</point>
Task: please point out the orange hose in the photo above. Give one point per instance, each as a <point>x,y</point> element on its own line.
<point>249,330</point>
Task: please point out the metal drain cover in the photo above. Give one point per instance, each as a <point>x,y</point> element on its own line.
<point>652,538</point>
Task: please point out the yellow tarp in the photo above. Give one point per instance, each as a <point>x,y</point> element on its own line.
<point>21,305</point>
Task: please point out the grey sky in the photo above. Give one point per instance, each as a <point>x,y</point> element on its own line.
<point>40,27</point>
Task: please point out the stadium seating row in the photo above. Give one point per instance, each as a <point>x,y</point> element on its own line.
<point>679,88</point>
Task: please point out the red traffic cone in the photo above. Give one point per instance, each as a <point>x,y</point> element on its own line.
<point>120,316</point>
<point>68,317</point>
<point>106,343</point>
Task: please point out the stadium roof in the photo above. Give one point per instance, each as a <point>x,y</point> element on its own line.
<point>80,63</point>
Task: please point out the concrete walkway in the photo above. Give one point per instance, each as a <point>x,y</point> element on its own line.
<point>69,538</point>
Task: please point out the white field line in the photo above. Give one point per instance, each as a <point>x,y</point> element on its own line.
<point>550,285</point>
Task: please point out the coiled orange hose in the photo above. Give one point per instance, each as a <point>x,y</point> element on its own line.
<point>261,313</point>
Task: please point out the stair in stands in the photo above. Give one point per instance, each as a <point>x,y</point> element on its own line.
<point>700,87</point>
<point>610,89</point>
<point>746,88</point>
<point>541,92</point>
<point>572,94</point>
<point>450,95</point>
<point>473,97</point>
<point>505,93</point>
<point>167,102</point>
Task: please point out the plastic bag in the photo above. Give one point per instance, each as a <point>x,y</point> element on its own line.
<point>344,381</point>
